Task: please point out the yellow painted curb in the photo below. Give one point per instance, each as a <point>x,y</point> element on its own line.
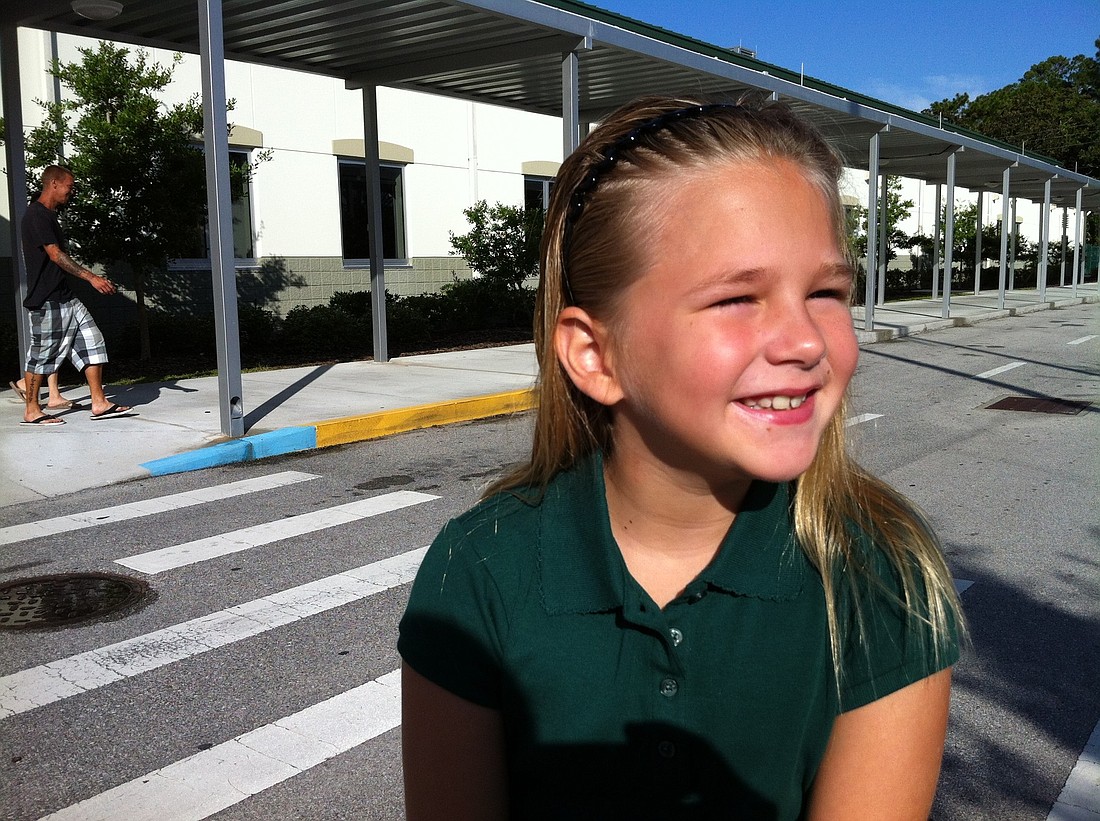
<point>386,423</point>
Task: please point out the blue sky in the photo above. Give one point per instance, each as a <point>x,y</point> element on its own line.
<point>904,52</point>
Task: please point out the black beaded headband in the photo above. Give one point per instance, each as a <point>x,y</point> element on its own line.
<point>611,156</point>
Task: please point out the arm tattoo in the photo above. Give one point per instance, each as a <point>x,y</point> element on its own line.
<point>69,265</point>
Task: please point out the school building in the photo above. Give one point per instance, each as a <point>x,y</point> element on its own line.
<point>305,212</point>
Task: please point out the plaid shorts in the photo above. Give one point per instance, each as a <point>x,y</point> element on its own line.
<point>64,329</point>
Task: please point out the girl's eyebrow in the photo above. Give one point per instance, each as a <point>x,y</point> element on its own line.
<point>745,276</point>
<point>751,276</point>
<point>840,269</point>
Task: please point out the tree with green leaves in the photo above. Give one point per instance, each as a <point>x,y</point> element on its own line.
<point>502,244</point>
<point>897,210</point>
<point>1053,110</point>
<point>140,173</point>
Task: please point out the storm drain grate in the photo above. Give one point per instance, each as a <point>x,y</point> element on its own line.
<point>1039,404</point>
<point>48,601</point>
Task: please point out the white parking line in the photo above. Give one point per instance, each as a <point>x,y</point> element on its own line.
<point>181,555</point>
<point>1002,369</point>
<point>1083,340</point>
<point>863,417</point>
<point>147,507</point>
<point>206,783</point>
<point>58,680</point>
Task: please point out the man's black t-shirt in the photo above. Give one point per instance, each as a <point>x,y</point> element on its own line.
<point>45,280</point>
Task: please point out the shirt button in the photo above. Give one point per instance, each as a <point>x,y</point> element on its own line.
<point>666,749</point>
<point>676,636</point>
<point>668,687</point>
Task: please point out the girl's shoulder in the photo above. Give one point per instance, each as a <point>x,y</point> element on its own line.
<point>500,518</point>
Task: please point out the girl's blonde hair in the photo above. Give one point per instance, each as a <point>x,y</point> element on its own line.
<point>595,243</point>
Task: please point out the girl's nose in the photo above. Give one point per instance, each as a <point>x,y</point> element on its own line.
<point>794,337</point>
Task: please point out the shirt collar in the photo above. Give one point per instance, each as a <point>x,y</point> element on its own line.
<point>582,571</point>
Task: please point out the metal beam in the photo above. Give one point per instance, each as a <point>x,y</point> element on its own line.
<point>1044,241</point>
<point>949,234</point>
<point>219,204</point>
<point>978,243</point>
<point>374,226</point>
<point>883,260</point>
<point>1006,227</point>
<point>570,96</point>
<point>872,233</point>
<point>936,244</point>
<point>1012,251</point>
<point>1078,241</point>
<point>15,151</point>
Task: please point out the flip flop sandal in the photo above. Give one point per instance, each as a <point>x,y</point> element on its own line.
<point>45,421</point>
<point>18,392</point>
<point>116,411</point>
<point>68,404</point>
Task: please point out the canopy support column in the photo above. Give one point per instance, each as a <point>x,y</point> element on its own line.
<point>1006,226</point>
<point>1065,241</point>
<point>219,205</point>
<point>1012,251</point>
<point>936,243</point>
<point>978,243</point>
<point>883,255</point>
<point>374,225</point>
<point>949,234</point>
<point>1044,241</point>
<point>570,96</point>
<point>17,176</point>
<point>872,234</point>
<point>1078,240</point>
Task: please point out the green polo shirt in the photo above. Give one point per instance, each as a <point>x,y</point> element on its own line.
<point>718,706</point>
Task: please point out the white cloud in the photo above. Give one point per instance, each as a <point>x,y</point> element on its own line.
<point>921,94</point>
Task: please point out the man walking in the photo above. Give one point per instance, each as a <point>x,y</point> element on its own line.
<point>60,324</point>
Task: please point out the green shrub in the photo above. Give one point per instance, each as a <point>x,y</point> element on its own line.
<point>503,242</point>
<point>324,331</point>
<point>259,330</point>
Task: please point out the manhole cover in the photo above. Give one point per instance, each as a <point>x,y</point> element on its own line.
<point>1039,404</point>
<point>47,601</point>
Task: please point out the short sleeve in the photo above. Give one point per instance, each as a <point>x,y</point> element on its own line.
<point>886,646</point>
<point>451,630</point>
<point>40,231</point>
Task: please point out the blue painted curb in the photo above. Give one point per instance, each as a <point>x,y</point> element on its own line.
<point>260,446</point>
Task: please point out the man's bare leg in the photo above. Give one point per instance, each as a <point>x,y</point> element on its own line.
<point>100,403</point>
<point>33,410</point>
<point>56,400</point>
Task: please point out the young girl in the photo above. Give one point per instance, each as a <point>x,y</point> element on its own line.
<point>690,603</point>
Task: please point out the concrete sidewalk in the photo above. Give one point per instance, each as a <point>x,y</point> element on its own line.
<point>178,426</point>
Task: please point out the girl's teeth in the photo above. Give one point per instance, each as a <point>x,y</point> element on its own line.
<point>780,403</point>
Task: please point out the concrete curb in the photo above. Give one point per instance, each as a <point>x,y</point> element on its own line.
<point>345,430</point>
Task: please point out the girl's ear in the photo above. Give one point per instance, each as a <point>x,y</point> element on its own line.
<point>582,346</point>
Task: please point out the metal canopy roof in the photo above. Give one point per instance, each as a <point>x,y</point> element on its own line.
<point>509,53</point>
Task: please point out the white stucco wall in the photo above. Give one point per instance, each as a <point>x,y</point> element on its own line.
<point>461,151</point>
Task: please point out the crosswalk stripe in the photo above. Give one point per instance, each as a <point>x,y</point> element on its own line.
<point>207,782</point>
<point>147,507</point>
<point>37,686</point>
<point>995,371</point>
<point>181,555</point>
<point>863,417</point>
